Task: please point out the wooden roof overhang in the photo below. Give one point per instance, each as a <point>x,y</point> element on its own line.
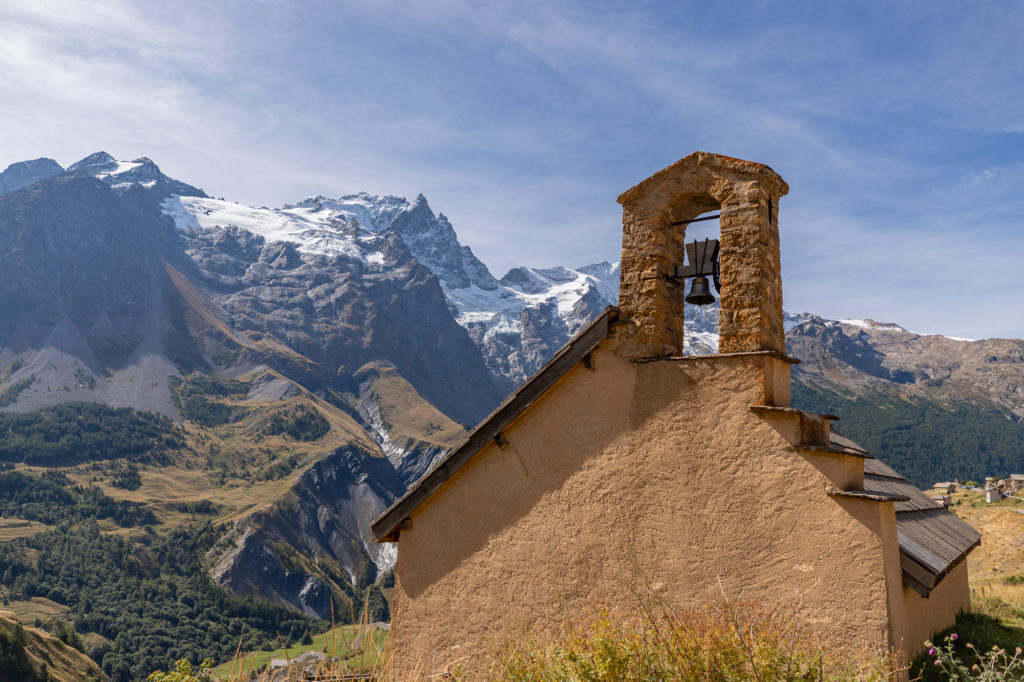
<point>932,540</point>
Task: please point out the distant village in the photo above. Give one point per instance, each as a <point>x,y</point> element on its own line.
<point>995,488</point>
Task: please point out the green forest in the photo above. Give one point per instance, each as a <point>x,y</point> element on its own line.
<point>924,440</point>
<point>300,423</point>
<point>154,602</point>
<point>76,432</point>
<point>52,498</point>
<point>14,662</point>
<point>146,590</point>
<point>191,395</point>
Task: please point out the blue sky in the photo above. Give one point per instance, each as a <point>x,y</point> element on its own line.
<point>898,125</point>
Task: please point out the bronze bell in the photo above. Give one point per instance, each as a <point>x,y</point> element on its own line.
<point>700,294</point>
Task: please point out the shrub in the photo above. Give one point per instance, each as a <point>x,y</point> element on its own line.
<point>184,672</point>
<point>66,633</point>
<point>994,664</point>
<point>127,478</point>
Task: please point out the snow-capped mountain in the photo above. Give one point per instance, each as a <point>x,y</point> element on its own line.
<point>124,175</point>
<point>105,300</point>
<point>518,322</point>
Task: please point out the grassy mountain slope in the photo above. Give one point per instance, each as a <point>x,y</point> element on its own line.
<point>260,490</point>
<point>29,655</point>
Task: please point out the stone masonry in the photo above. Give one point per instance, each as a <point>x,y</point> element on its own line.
<point>747,195</point>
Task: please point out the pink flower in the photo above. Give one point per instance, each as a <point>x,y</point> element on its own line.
<point>954,637</point>
<point>931,652</point>
<point>937,662</point>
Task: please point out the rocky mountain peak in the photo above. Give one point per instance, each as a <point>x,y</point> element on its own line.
<point>125,176</point>
<point>25,173</point>
<point>94,164</point>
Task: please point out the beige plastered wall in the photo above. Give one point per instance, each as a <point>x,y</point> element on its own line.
<point>924,617</point>
<point>642,478</point>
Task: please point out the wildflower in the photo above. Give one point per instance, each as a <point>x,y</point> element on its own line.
<point>938,662</point>
<point>931,652</point>
<point>954,637</point>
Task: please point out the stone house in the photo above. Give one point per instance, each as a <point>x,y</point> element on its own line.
<point>617,464</point>
<point>1016,482</point>
<point>945,487</point>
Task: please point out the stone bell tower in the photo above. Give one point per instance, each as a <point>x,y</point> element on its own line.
<point>654,215</point>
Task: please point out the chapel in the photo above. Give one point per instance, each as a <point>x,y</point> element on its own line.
<point>624,462</point>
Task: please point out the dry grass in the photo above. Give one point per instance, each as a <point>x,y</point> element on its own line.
<point>11,528</point>
<point>37,607</point>
<point>732,642</point>
<point>1001,525</point>
<point>63,663</point>
<point>408,414</point>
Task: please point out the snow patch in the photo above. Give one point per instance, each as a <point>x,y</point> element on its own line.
<point>310,228</point>
<point>121,167</point>
<point>870,325</point>
<point>563,288</point>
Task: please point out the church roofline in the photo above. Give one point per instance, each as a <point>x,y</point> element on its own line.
<point>387,526</point>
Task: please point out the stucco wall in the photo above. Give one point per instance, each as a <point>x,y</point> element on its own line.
<point>925,617</point>
<point>639,476</point>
